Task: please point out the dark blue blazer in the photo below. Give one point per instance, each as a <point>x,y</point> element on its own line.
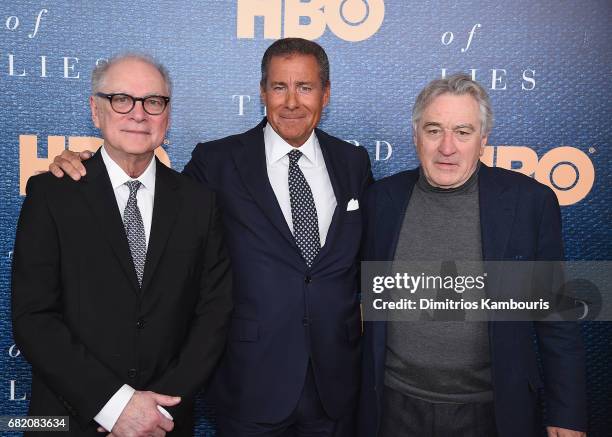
<point>285,313</point>
<point>520,219</point>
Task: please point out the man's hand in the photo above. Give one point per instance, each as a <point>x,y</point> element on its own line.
<point>70,163</point>
<point>140,417</point>
<point>553,431</point>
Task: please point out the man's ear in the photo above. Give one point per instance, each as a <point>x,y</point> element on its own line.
<point>326,94</point>
<point>262,98</point>
<point>483,143</point>
<point>94,111</point>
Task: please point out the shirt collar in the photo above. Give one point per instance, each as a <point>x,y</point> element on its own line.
<point>119,177</point>
<point>277,148</point>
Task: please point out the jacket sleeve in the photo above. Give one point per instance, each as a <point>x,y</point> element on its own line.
<point>196,167</point>
<point>560,343</point>
<point>368,179</point>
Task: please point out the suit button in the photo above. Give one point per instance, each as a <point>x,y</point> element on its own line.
<point>305,321</point>
<point>132,373</point>
<point>140,323</point>
<point>307,279</point>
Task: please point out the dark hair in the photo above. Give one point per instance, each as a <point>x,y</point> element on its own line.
<point>296,46</point>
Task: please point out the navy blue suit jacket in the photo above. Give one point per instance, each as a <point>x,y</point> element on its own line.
<point>520,219</point>
<point>285,313</point>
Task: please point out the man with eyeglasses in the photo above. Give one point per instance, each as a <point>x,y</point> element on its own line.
<point>121,281</point>
<point>457,378</point>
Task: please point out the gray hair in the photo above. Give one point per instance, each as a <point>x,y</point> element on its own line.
<point>99,72</point>
<point>458,85</point>
<point>295,46</point>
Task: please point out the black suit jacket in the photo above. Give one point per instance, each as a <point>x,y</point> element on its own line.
<point>79,316</point>
<point>520,220</point>
<point>285,312</point>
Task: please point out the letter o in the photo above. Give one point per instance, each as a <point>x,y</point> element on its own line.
<point>359,32</point>
<point>447,38</point>
<point>569,172</point>
<point>14,352</point>
<point>13,19</point>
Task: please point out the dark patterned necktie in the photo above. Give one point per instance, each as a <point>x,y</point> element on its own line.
<point>134,230</point>
<point>303,211</point>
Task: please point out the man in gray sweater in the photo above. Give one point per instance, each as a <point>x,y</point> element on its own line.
<point>458,378</point>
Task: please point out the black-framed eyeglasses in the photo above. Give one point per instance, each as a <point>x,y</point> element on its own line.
<point>124,103</point>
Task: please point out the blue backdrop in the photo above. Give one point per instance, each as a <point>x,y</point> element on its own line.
<point>546,65</point>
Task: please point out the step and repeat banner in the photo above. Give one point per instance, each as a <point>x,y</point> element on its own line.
<point>546,65</point>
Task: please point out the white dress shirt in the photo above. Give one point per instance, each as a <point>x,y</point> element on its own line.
<point>312,165</point>
<point>109,414</point>
<point>145,195</point>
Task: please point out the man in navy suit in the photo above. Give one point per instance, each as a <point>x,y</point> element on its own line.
<point>290,197</point>
<point>456,378</point>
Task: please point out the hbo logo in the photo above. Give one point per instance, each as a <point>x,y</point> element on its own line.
<point>567,170</point>
<point>350,20</point>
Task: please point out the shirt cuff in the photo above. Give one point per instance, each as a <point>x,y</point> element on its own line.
<point>109,414</point>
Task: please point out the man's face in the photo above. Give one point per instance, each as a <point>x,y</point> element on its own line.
<point>448,140</point>
<point>294,97</point>
<point>134,133</point>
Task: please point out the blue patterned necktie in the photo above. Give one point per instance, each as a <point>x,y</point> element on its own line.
<point>303,211</point>
<point>134,230</point>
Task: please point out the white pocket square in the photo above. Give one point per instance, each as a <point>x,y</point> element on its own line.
<point>352,205</point>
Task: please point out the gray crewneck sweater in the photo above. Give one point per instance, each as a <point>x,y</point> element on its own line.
<point>434,360</point>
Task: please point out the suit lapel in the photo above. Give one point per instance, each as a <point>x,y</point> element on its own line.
<point>337,177</point>
<point>389,215</point>
<point>497,208</point>
<point>250,161</point>
<point>399,195</point>
<point>497,205</point>
<point>98,193</point>
<point>165,210</point>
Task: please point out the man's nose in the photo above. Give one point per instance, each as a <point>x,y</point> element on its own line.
<point>447,144</point>
<point>291,100</point>
<point>138,113</point>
